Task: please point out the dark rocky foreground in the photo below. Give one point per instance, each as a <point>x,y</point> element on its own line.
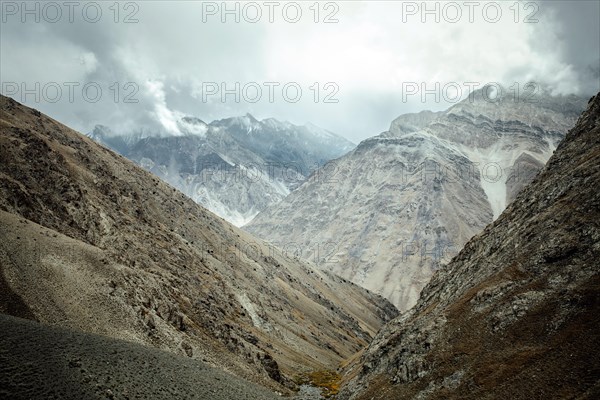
<point>42,362</point>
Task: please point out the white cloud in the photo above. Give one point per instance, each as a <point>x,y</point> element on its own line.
<point>166,117</point>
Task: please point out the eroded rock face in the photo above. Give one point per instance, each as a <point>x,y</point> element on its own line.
<point>92,242</point>
<point>516,312</point>
<point>403,203</point>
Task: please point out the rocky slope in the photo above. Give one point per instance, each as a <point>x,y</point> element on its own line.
<point>412,122</point>
<point>516,314</point>
<point>39,363</point>
<point>235,167</point>
<point>92,242</point>
<point>400,205</point>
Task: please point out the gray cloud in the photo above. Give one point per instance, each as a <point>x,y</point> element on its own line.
<point>370,55</point>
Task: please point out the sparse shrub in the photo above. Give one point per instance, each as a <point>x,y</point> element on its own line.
<point>328,381</point>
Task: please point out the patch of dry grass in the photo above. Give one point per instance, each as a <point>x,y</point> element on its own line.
<point>328,381</point>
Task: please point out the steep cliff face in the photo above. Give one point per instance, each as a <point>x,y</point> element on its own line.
<point>516,314</point>
<point>400,205</point>
<point>92,242</point>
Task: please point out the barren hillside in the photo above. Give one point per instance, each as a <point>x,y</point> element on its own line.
<point>92,242</point>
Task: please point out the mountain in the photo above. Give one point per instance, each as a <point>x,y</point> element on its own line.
<point>516,314</point>
<point>91,242</point>
<point>401,204</point>
<point>235,167</point>
<point>413,122</point>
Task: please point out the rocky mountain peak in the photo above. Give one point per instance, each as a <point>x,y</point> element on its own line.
<point>412,122</point>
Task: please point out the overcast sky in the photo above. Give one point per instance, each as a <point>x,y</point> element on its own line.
<point>368,63</point>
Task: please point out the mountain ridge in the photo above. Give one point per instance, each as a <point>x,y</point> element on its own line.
<point>235,166</point>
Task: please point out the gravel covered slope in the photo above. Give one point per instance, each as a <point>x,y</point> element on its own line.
<point>42,362</point>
